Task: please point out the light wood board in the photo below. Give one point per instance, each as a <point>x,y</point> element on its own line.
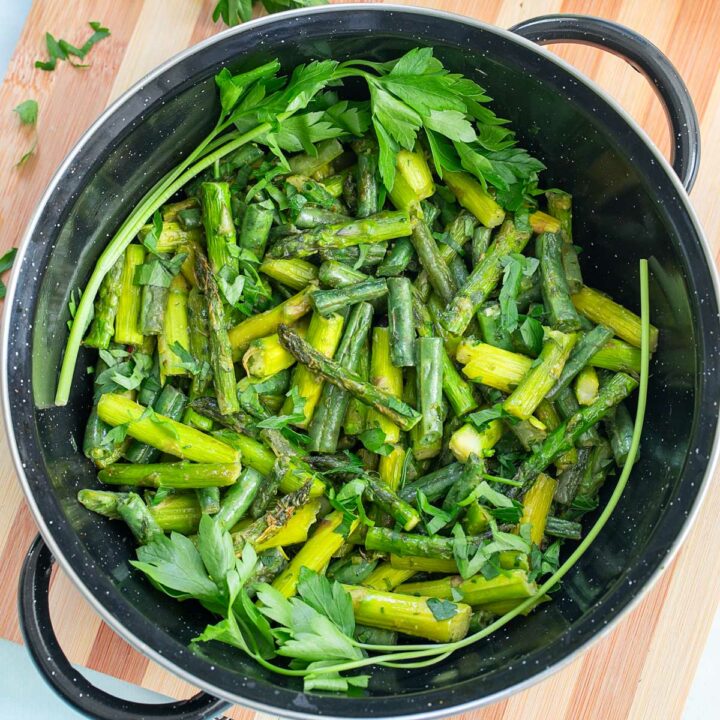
<point>645,667</point>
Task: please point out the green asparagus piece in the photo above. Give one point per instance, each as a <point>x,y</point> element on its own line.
<point>134,512</point>
<point>400,322</point>
<point>388,378</point>
<point>535,385</point>
<point>387,500</point>
<point>335,274</point>
<point>219,226</point>
<point>433,546</point>
<point>334,372</point>
<point>328,302</point>
<point>308,165</point>
<point>315,192</point>
<point>602,310</point>
<point>175,330</point>
<point>601,458</point>
<point>413,181</point>
<point>199,341</point>
<point>565,437</point>
<point>432,261</point>
<point>428,441</point>
<point>102,502</point>
<point>556,293</point>
<point>238,498</point>
<point>268,489</point>
<point>353,569</point>
<point>364,256</point>
<point>170,402</point>
<point>163,433</point>
<point>375,636</point>
<point>560,207</point>
<point>127,318</point>
<point>472,476</point>
<point>255,229</point>
<point>617,356</point>
<point>208,499</point>
<point>367,186</point>
<point>311,216</point>
<point>471,196</point>
<point>434,485</point>
<point>398,260</point>
<point>181,475</point>
<point>355,420</point>
<point>568,406</point>
<point>407,614</point>
<point>377,228</point>
<point>566,529</point>
<point>221,357</point>
<point>327,421</point>
<point>152,309</point>
<point>293,273</point>
<point>483,279</point>
<point>582,353</point>
<point>620,427</point>
<point>569,480</point>
<point>587,385</point>
<point>480,243</point>
<point>102,329</point>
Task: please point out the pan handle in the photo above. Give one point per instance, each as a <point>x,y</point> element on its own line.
<point>647,59</point>
<point>64,679</point>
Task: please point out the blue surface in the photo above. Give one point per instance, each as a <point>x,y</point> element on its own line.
<point>24,694</point>
<point>12,19</point>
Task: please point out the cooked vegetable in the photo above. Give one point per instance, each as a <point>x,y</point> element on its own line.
<point>375,393</point>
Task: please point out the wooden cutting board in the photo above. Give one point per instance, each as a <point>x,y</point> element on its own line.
<point>645,667</point>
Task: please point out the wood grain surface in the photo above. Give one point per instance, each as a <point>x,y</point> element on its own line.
<point>645,667</point>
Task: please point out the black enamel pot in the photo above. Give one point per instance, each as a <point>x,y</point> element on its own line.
<point>630,203</point>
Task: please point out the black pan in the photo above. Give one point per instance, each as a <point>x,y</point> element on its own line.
<point>630,203</point>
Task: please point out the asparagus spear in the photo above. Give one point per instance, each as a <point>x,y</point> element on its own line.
<point>471,196</point>
<point>407,614</point>
<point>327,151</point>
<point>400,322</point>
<point>199,333</point>
<point>255,229</point>
<point>386,577</point>
<point>510,585</point>
<point>435,484</point>
<point>467,441</point>
<point>538,381</point>
<point>617,356</point>
<point>269,489</point>
<point>428,441</point>
<point>367,186</point>
<point>560,206</point>
<point>565,437</point>
<point>541,222</point>
<point>221,357</point>
<point>267,323</point>
<point>173,475</point>
<point>620,427</point>
<point>602,310</point>
<point>472,476</point>
<point>536,506</point>
<point>219,226</point>
<point>102,329</point>
<point>566,529</point>
<point>237,500</point>
<point>390,467</point>
<point>138,518</point>
<point>432,261</point>
<point>163,433</point>
<point>570,478</point>
<point>398,260</point>
<point>480,243</point>
<point>127,319</point>
<point>556,293</point>
<point>208,499</point>
<point>483,279</point>
<point>356,415</point>
<point>388,378</point>
<point>324,335</point>
<point>335,274</point>
<point>418,564</point>
<point>388,501</point>
<point>296,529</point>
<point>413,181</point>
<point>435,546</point>
<point>171,237</point>
<point>324,429</point>
<point>315,192</point>
<point>153,300</point>
<point>377,228</point>
<point>334,372</point>
<point>327,302</point>
<point>583,351</point>
<point>170,402</point>
<point>315,553</point>
<point>587,385</point>
<point>175,329</point>
<point>266,357</point>
<point>294,273</point>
